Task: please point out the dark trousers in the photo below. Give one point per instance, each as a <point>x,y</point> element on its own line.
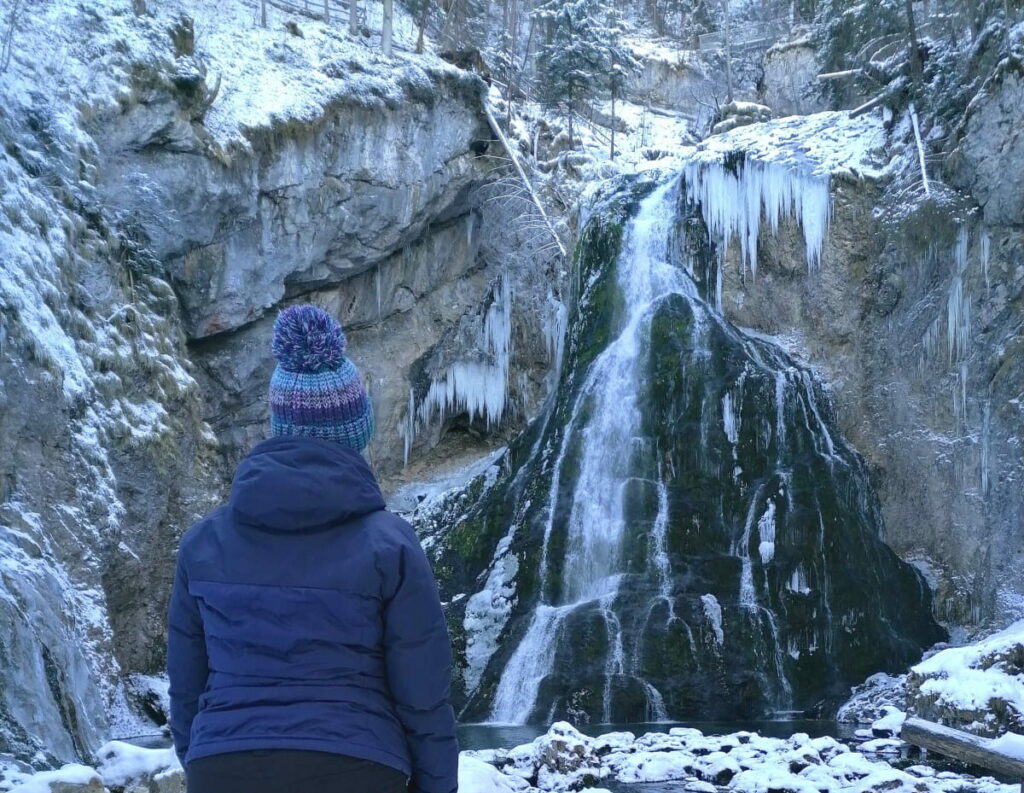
<point>288,771</point>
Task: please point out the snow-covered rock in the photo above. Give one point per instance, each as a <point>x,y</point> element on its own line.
<point>71,778</point>
<point>740,114</point>
<point>890,724</point>
<point>124,765</point>
<point>740,762</point>
<point>476,776</point>
<point>868,701</point>
<point>979,687</point>
<point>561,759</point>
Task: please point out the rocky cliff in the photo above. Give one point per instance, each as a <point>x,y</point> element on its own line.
<point>915,323</point>
<point>157,210</point>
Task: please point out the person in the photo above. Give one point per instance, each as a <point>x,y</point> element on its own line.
<point>307,649</point>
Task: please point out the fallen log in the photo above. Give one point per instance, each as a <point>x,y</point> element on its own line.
<point>962,746</point>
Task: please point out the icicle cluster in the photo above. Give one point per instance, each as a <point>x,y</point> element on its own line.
<point>958,307</point>
<point>734,201</point>
<point>479,387</point>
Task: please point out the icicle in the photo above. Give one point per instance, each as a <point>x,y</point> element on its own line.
<point>780,412</point>
<point>718,287</point>
<point>798,581</point>
<point>378,292</point>
<point>734,201</point>
<point>713,613</point>
<point>555,323</point>
<point>479,388</point>
<point>986,428</point>
<point>409,428</point>
<point>984,252</point>
<point>930,341</point>
<point>766,531</point>
<point>958,305</point>
<point>729,423</point>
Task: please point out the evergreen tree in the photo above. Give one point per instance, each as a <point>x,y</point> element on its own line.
<point>574,63</point>
<point>622,64</point>
<point>465,25</point>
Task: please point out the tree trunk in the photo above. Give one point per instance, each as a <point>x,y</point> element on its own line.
<point>513,73</point>
<point>529,44</point>
<point>727,32</point>
<point>915,50</point>
<point>963,746</point>
<point>424,15</point>
<point>263,13</point>
<point>613,126</point>
<point>327,12</point>
<point>387,34</point>
<point>353,17</point>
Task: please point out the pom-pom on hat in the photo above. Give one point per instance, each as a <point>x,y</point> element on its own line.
<point>316,390</point>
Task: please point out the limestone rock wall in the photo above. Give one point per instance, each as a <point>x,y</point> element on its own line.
<point>917,335</point>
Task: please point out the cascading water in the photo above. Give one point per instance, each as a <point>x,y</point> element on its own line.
<point>597,519</point>
<point>692,537</point>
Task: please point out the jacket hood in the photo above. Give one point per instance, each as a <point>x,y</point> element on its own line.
<point>303,484</point>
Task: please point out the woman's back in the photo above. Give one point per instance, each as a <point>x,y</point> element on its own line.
<point>305,617</point>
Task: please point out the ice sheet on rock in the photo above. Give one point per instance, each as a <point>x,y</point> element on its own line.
<point>777,170</point>
<point>766,532</point>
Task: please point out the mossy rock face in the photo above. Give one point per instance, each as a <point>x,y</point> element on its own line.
<point>751,576</point>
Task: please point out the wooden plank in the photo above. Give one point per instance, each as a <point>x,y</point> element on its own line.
<point>961,746</point>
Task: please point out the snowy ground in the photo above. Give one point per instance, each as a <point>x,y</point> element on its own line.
<point>821,144</point>
<point>682,759</point>
<point>266,74</point>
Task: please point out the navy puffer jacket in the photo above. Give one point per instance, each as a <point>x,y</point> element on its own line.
<point>305,616</point>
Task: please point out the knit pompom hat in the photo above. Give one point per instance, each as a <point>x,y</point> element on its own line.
<point>316,390</point>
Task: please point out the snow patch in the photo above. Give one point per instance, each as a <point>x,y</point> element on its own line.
<point>122,763</point>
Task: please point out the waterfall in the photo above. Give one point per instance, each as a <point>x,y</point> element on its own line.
<point>596,521</point>
<point>693,477</point>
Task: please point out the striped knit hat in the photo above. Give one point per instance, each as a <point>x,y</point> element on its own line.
<point>316,390</point>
